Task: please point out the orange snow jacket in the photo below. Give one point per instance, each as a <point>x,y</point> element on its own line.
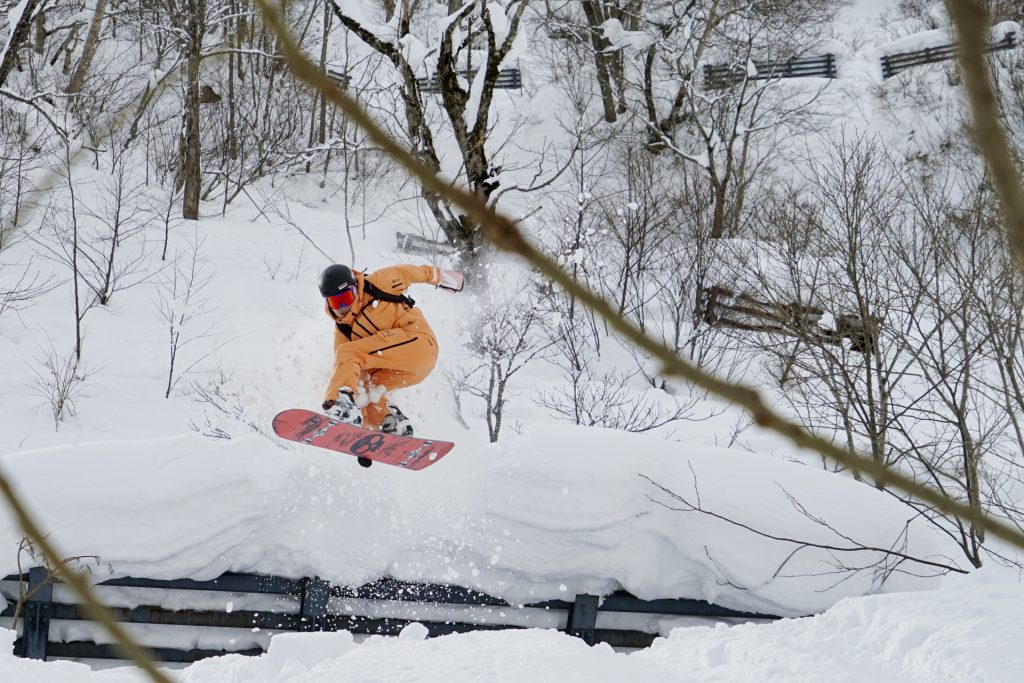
<point>370,315</point>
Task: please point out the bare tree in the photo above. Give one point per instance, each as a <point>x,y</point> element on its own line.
<point>608,399</point>
<point>505,342</point>
<point>119,216</point>
<point>229,410</point>
<point>184,309</point>
<point>909,272</point>
<point>60,381</point>
<point>474,41</point>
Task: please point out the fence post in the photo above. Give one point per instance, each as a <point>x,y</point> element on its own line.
<point>36,622</point>
<point>313,603</point>
<point>583,618</point>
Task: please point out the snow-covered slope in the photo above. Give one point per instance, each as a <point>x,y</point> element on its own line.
<point>557,511</point>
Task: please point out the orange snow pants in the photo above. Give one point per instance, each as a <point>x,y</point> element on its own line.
<point>375,365</point>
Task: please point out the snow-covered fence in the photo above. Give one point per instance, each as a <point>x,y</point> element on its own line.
<point>901,61</point>
<point>414,244</point>
<point>724,307</point>
<point>508,79</point>
<point>723,76</point>
<point>184,627</point>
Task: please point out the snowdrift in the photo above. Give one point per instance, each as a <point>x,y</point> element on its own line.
<point>556,511</point>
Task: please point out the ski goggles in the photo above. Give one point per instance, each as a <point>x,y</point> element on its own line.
<point>343,299</point>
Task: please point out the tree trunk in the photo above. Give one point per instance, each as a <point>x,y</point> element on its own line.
<point>19,34</point>
<point>595,17</point>
<point>92,41</point>
<point>40,40</point>
<point>321,133</point>
<point>191,172</point>
<point>235,42</point>
<point>719,221</point>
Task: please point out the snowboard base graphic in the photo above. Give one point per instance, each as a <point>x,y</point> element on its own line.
<point>316,429</point>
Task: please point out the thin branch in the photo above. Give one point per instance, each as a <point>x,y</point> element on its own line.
<point>45,114</point>
<point>855,547</point>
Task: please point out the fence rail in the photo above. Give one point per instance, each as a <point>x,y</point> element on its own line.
<point>508,79</point>
<point>724,307</point>
<point>316,613</point>
<point>726,75</point>
<point>901,61</point>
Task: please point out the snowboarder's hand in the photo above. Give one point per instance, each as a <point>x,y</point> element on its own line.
<point>327,405</point>
<point>451,280</point>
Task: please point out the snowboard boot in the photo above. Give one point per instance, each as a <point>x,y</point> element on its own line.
<point>344,409</point>
<point>364,462</point>
<point>395,422</point>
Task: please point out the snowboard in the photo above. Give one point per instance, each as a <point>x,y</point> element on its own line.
<point>316,429</point>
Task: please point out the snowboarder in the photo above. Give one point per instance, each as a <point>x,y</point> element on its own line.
<point>381,341</point>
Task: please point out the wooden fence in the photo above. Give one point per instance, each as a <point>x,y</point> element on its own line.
<point>508,79</point>
<point>724,76</point>
<point>725,308</point>
<point>320,606</point>
<point>901,61</point>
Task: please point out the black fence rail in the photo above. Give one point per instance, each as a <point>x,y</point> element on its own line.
<point>724,76</point>
<point>901,61</point>
<point>318,609</point>
<point>508,79</point>
<point>339,77</point>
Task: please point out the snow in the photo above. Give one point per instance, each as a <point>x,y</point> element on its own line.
<point>415,53</point>
<point>620,38</point>
<point>499,22</point>
<point>358,11</point>
<point>476,91</point>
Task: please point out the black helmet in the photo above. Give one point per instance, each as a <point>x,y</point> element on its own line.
<point>336,278</point>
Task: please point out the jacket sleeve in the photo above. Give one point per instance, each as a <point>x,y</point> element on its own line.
<point>396,279</point>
